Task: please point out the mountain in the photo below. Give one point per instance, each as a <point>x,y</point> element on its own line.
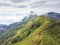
<point>40,30</point>
<point>43,31</point>
<point>16,25</point>
<point>13,28</point>
<point>2,28</point>
<point>53,15</point>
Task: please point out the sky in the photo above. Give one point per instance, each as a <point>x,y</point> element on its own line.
<point>15,10</point>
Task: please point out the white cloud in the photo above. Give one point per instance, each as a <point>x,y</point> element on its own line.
<point>46,3</point>
<point>13,11</point>
<point>9,18</point>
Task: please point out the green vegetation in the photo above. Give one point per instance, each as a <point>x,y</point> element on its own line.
<point>39,31</point>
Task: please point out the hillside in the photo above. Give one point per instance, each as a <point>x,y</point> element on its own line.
<point>39,31</point>
<point>13,28</point>
<point>48,33</point>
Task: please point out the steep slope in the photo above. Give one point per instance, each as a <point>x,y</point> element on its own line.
<point>13,29</point>
<point>46,34</point>
<point>39,31</point>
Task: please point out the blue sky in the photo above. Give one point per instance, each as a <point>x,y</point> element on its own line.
<point>14,10</point>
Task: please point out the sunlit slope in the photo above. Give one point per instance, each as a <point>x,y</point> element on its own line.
<point>48,33</point>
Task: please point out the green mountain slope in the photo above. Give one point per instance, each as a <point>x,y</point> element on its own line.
<point>39,31</point>
<point>46,34</point>
<point>13,29</point>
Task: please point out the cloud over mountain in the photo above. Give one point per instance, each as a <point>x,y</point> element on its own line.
<point>23,7</point>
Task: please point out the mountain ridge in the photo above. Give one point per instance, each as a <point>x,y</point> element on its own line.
<point>39,30</point>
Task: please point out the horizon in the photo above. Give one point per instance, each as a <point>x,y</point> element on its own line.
<point>15,10</point>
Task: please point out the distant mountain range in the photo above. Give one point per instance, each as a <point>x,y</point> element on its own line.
<point>2,28</point>
<point>33,30</point>
<point>53,15</point>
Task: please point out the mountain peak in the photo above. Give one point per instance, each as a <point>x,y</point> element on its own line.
<point>53,15</point>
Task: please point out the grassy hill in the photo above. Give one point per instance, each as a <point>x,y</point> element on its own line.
<point>39,31</point>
